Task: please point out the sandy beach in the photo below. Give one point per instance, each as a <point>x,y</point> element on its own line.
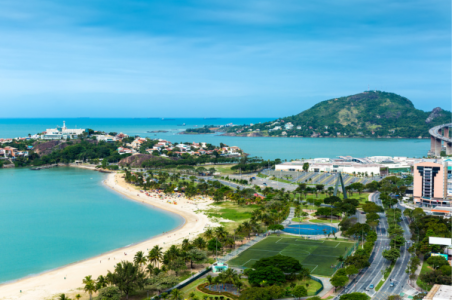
<point>68,279</point>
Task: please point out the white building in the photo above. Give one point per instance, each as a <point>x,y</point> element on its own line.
<point>62,133</point>
<point>439,292</point>
<point>105,138</point>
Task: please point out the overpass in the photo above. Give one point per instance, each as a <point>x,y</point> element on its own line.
<point>438,134</point>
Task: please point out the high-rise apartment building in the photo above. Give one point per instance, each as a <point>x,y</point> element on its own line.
<point>430,184</point>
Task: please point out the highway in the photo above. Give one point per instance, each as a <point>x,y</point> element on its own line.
<point>435,132</point>
<point>398,275</point>
<point>373,274</point>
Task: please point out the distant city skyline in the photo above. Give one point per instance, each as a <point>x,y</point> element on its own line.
<point>217,58</point>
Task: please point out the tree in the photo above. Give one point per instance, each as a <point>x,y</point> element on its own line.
<point>355,296</point>
<point>109,293</point>
<point>255,293</point>
<point>63,297</point>
<point>78,296</point>
<point>101,282</point>
<point>319,188</point>
<point>90,286</point>
<point>276,227</point>
<point>196,255</point>
<point>391,254</point>
<point>305,166</point>
<point>339,280</point>
<point>300,291</point>
<point>437,261</point>
<point>351,270</point>
<point>139,258</point>
<point>177,265</point>
<point>176,294</point>
<point>214,245</point>
<point>127,277</point>
<point>155,255</point>
<point>286,264</point>
<point>270,274</point>
<point>199,243</point>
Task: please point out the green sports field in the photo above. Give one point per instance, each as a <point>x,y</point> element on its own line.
<point>317,255</point>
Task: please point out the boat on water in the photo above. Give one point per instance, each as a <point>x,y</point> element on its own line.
<point>36,169</point>
<point>183,124</point>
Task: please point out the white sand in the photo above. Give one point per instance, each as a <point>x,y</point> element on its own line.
<point>52,283</point>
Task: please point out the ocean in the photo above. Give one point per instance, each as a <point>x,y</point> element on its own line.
<point>58,216</point>
<point>267,148</point>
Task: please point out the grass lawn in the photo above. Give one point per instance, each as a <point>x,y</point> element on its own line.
<point>231,211</point>
<point>298,219</point>
<point>425,269</point>
<point>224,169</point>
<point>282,180</point>
<point>323,221</point>
<point>317,255</point>
<point>362,198</point>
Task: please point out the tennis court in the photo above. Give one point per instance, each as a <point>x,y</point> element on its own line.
<point>319,256</point>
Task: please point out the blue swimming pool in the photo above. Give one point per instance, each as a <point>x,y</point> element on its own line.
<point>309,229</point>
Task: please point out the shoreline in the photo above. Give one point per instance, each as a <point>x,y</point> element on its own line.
<point>68,278</point>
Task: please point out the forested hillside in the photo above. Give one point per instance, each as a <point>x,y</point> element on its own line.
<point>368,114</point>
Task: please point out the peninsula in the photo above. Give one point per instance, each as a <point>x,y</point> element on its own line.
<point>374,114</point>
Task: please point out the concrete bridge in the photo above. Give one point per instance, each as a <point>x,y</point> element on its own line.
<point>438,134</point>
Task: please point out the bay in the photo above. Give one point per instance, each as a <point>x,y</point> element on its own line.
<point>267,148</point>
<point>54,217</point>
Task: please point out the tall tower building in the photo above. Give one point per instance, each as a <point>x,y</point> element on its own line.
<point>430,184</point>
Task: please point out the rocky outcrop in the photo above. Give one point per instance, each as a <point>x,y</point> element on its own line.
<point>46,147</point>
<point>137,160</point>
<point>436,112</point>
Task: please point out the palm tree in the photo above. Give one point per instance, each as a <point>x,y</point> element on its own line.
<point>139,258</point>
<point>78,296</point>
<point>63,297</point>
<point>90,286</point>
<point>150,269</point>
<point>176,294</point>
<point>199,243</point>
<point>155,255</point>
<point>209,234</point>
<point>186,245</point>
<point>237,283</point>
<point>101,282</point>
<point>220,233</point>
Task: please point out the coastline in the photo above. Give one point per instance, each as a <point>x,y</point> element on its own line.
<point>68,278</point>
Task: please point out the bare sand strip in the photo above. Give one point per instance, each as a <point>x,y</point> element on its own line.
<point>68,279</point>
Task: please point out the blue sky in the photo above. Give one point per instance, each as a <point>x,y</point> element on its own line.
<point>258,58</point>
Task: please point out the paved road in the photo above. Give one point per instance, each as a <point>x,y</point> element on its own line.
<point>399,276</point>
<point>373,274</point>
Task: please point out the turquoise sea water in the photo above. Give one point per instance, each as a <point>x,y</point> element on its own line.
<point>54,217</point>
<point>267,148</point>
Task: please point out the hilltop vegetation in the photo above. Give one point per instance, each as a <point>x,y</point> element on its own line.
<point>368,114</point>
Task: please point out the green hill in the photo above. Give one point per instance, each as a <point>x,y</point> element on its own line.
<point>368,114</point>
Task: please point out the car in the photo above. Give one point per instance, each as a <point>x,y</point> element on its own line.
<point>371,286</point>
<point>391,284</point>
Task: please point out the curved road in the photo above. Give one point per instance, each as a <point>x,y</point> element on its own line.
<point>435,132</point>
